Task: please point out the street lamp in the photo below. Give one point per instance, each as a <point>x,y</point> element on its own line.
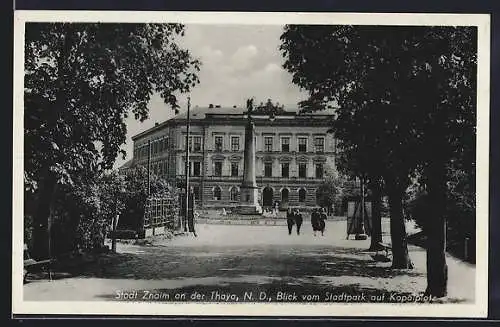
<point>186,168</point>
<point>116,217</point>
<point>361,235</point>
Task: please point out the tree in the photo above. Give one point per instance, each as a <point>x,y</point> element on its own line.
<point>358,160</point>
<point>81,82</point>
<point>137,193</point>
<point>331,189</point>
<point>402,91</point>
<point>354,66</point>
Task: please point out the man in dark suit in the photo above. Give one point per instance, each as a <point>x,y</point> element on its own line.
<point>321,221</point>
<point>290,221</point>
<point>298,220</point>
<point>315,221</point>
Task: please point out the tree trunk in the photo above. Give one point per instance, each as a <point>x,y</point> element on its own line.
<point>400,257</point>
<point>40,246</point>
<point>435,230</point>
<point>376,236</point>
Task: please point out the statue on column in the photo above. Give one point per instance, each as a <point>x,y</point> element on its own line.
<point>249,193</point>
<point>249,110</point>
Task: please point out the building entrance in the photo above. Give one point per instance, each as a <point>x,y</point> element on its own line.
<point>267,197</point>
<point>284,198</point>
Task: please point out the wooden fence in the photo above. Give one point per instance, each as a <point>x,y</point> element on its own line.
<point>161,214</point>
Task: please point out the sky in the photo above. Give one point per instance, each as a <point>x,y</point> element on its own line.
<point>238,62</point>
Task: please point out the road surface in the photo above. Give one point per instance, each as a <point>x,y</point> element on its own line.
<point>243,263</point>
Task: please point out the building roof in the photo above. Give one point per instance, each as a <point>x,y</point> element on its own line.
<point>126,165</point>
<point>201,113</point>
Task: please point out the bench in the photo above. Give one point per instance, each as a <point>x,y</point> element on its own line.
<point>30,263</point>
<point>387,248</point>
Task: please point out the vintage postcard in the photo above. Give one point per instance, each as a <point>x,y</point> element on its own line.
<point>251,164</point>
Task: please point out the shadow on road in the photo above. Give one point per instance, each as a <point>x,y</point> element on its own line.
<point>280,261</point>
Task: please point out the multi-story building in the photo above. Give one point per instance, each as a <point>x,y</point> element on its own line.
<point>292,152</point>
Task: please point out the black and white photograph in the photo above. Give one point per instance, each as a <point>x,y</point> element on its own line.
<point>251,164</point>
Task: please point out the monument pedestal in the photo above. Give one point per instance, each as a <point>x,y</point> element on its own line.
<point>249,201</point>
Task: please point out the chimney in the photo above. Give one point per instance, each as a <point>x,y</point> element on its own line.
<point>234,106</point>
<point>210,105</point>
<point>156,124</point>
<point>217,106</point>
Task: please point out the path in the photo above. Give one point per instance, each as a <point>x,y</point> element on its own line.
<point>257,259</point>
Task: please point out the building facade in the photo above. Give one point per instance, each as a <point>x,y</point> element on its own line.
<point>292,153</point>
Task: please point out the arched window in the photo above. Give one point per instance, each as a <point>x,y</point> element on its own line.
<point>217,193</point>
<point>234,193</point>
<point>302,195</point>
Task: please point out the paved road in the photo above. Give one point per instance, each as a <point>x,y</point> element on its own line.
<point>235,263</point>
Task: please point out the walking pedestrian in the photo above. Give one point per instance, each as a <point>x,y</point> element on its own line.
<point>298,220</point>
<point>315,221</point>
<point>321,222</point>
<point>290,221</point>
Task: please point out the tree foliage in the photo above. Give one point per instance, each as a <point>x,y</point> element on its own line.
<point>331,189</point>
<point>406,98</point>
<point>137,193</point>
<point>81,81</point>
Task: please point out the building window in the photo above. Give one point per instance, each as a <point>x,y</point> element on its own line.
<point>285,144</point>
<point>160,168</point>
<point>268,169</point>
<point>319,170</point>
<point>302,195</point>
<point>165,167</point>
<point>234,169</point>
<point>234,193</point>
<point>302,170</point>
<point>197,144</point>
<point>165,144</point>
<point>160,145</point>
<point>196,191</point>
<point>218,168</point>
<point>302,144</point>
<point>268,144</point>
<point>217,193</point>
<point>235,143</point>
<point>197,168</point>
<point>218,143</point>
<point>155,147</point>
<point>285,169</point>
<point>319,144</point>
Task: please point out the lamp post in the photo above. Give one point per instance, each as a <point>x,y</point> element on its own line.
<point>361,235</point>
<point>149,167</point>
<point>186,168</point>
<point>116,217</point>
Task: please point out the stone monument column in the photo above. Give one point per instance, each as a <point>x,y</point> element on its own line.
<point>249,192</point>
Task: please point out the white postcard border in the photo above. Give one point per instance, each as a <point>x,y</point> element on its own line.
<point>479,309</point>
